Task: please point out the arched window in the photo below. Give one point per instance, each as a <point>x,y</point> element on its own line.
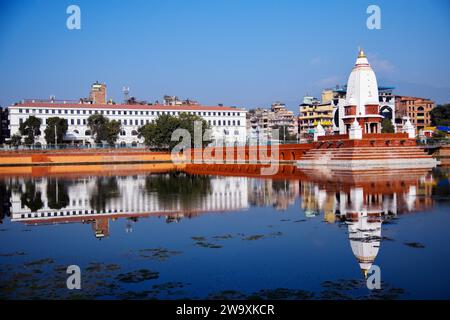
<point>122,132</point>
<point>87,133</point>
<point>420,109</point>
<point>76,131</point>
<point>123,144</point>
<point>134,133</point>
<point>134,144</point>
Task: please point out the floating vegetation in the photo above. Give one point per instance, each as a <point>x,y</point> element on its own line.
<point>12,254</point>
<point>281,294</point>
<point>195,238</point>
<point>138,276</point>
<point>224,237</point>
<point>262,236</point>
<point>254,237</point>
<point>204,244</point>
<point>227,295</point>
<point>416,245</point>
<point>160,254</point>
<point>39,262</point>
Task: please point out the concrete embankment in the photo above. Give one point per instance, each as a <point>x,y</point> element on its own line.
<point>282,153</point>
<point>81,156</point>
<point>444,156</point>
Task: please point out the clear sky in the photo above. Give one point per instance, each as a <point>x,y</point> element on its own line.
<point>246,53</point>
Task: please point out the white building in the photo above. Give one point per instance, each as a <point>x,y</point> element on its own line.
<point>227,123</point>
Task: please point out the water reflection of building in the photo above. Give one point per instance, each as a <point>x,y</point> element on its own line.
<point>96,200</point>
<point>279,194</point>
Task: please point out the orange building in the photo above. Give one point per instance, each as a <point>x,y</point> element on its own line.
<point>417,109</point>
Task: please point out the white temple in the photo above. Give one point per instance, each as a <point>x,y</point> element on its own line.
<point>361,102</point>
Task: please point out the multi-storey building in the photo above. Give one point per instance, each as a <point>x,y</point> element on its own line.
<point>313,112</point>
<point>417,109</point>
<point>227,123</point>
<point>261,123</point>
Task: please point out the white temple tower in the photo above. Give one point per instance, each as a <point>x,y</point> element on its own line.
<point>362,101</point>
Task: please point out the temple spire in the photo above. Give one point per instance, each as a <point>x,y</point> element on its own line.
<point>361,53</point>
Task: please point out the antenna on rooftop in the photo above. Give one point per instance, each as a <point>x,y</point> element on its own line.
<point>126,91</point>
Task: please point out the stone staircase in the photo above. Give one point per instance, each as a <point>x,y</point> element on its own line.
<point>368,157</point>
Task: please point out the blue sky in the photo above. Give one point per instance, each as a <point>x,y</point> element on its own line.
<point>237,52</point>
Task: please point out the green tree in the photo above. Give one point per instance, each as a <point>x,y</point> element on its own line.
<point>16,140</point>
<point>439,135</point>
<point>61,129</point>
<point>103,130</point>
<point>387,126</point>
<point>440,115</point>
<point>30,128</point>
<point>159,134</point>
<point>112,131</point>
<point>187,121</point>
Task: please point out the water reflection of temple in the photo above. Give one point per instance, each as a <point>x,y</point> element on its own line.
<point>363,201</point>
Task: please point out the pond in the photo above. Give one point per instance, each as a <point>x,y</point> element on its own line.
<point>223,232</point>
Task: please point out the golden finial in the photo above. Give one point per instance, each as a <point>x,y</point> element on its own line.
<point>361,53</point>
<point>365,273</point>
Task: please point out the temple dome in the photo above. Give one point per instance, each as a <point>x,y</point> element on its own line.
<point>362,86</point>
<point>365,238</point>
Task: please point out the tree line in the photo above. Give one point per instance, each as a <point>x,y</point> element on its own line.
<point>156,135</point>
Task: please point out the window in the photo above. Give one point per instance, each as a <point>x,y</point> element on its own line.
<point>20,121</point>
<point>78,121</point>
<point>134,133</point>
<point>239,122</point>
<point>20,110</point>
<point>125,122</point>
<point>72,121</point>
<point>87,133</point>
<point>122,132</point>
<point>136,122</point>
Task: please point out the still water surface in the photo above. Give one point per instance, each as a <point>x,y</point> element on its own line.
<point>219,232</point>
